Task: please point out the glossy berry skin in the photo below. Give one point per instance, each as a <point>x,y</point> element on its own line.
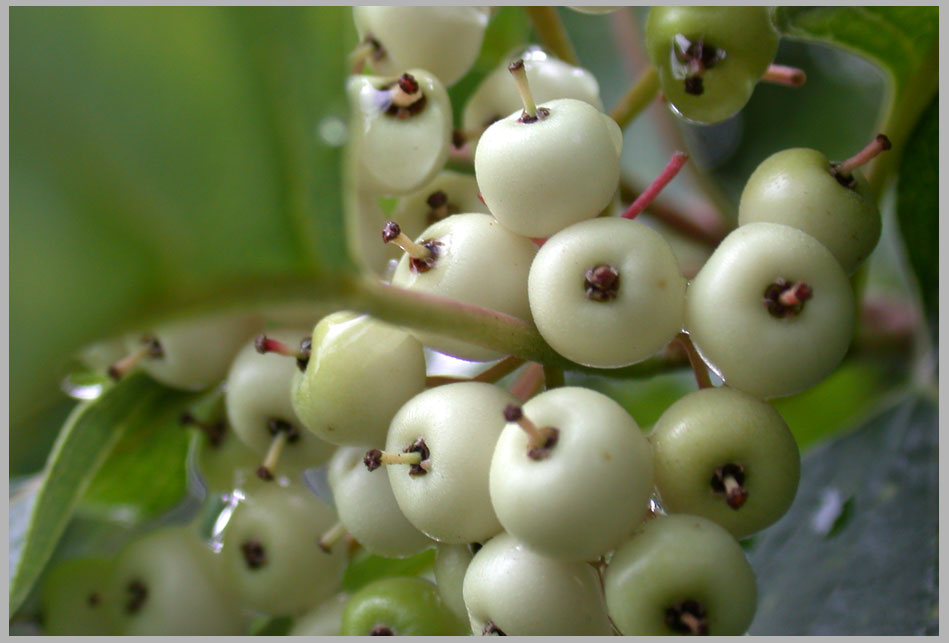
<point>326,619</point>
<point>196,353</point>
<point>592,488</point>
<point>73,598</point>
<point>395,156</point>
<point>169,583</point>
<point>368,510</point>
<point>679,558</point>
<point>525,594</point>
<point>360,373</point>
<point>401,606</point>
<point>715,427</point>
<point>640,318</point>
<point>414,214</point>
<point>451,564</point>
<point>744,35</point>
<point>539,177</point>
<point>549,78</point>
<point>258,392</point>
<point>460,424</point>
<point>443,39</point>
<point>752,349</point>
<point>479,262</point>
<point>796,187</point>
<point>270,551</point>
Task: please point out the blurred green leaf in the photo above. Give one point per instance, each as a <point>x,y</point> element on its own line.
<point>365,567</point>
<point>271,626</point>
<point>146,472</point>
<point>857,552</point>
<point>899,39</point>
<point>918,208</point>
<point>163,159</point>
<point>90,435</point>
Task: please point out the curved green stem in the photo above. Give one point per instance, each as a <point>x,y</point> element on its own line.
<point>637,98</point>
<point>553,35</point>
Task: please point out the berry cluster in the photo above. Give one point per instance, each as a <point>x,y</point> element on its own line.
<point>550,512</point>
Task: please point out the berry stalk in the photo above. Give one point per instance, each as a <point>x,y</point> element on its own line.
<point>637,98</point>
<point>668,173</point>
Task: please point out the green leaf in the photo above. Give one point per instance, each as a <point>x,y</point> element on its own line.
<point>271,626</point>
<point>857,552</point>
<point>918,208</point>
<point>146,472</point>
<point>899,39</point>
<point>365,567</point>
<point>89,436</point>
<point>173,158</point>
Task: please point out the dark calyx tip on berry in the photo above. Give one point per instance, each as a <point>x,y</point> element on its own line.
<point>306,348</point>
<point>687,617</point>
<point>437,199</point>
<point>729,480</point>
<point>513,413</point>
<point>784,299</point>
<point>381,630</point>
<point>254,554</point>
<point>492,630</point>
<point>421,448</point>
<point>542,113</point>
<point>408,84</point>
<point>884,142</point>
<point>155,349</point>
<point>517,65</point>
<point>264,473</point>
<point>458,139</point>
<point>276,425</point>
<point>543,451</point>
<point>138,594</point>
<point>390,231</point>
<point>694,86</point>
<point>602,283</point>
<point>373,459</point>
<point>424,265</point>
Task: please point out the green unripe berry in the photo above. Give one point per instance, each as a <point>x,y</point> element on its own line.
<point>680,574</point>
<point>169,583</point>
<point>710,58</point>
<point>798,188</point>
<point>727,456</point>
<point>400,607</point>
<point>73,598</point>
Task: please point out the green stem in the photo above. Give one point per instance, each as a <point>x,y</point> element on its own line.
<point>553,35</point>
<point>637,98</point>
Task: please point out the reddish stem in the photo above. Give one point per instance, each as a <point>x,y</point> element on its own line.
<point>880,143</point>
<point>698,366</point>
<point>784,75</point>
<point>529,382</point>
<point>668,173</point>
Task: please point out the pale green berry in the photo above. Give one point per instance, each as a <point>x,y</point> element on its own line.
<point>443,39</point>
<point>458,424</point>
<point>539,176</point>
<point>324,620</point>
<point>579,490</point>
<point>271,552</point>
<point>678,575</point>
<point>736,318</point>
<point>510,589</point>
<point>360,372</point>
<point>169,583</point>
<point>797,187</point>
<point>607,292</point>
<point>73,598</point>
<point>710,58</point>
<point>451,564</point>
<point>368,510</point>
<point>475,260</point>
<point>447,194</point>
<point>727,456</point>
<point>190,354</point>
<point>397,152</point>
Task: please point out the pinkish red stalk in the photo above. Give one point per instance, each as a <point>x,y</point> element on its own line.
<point>668,173</point>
